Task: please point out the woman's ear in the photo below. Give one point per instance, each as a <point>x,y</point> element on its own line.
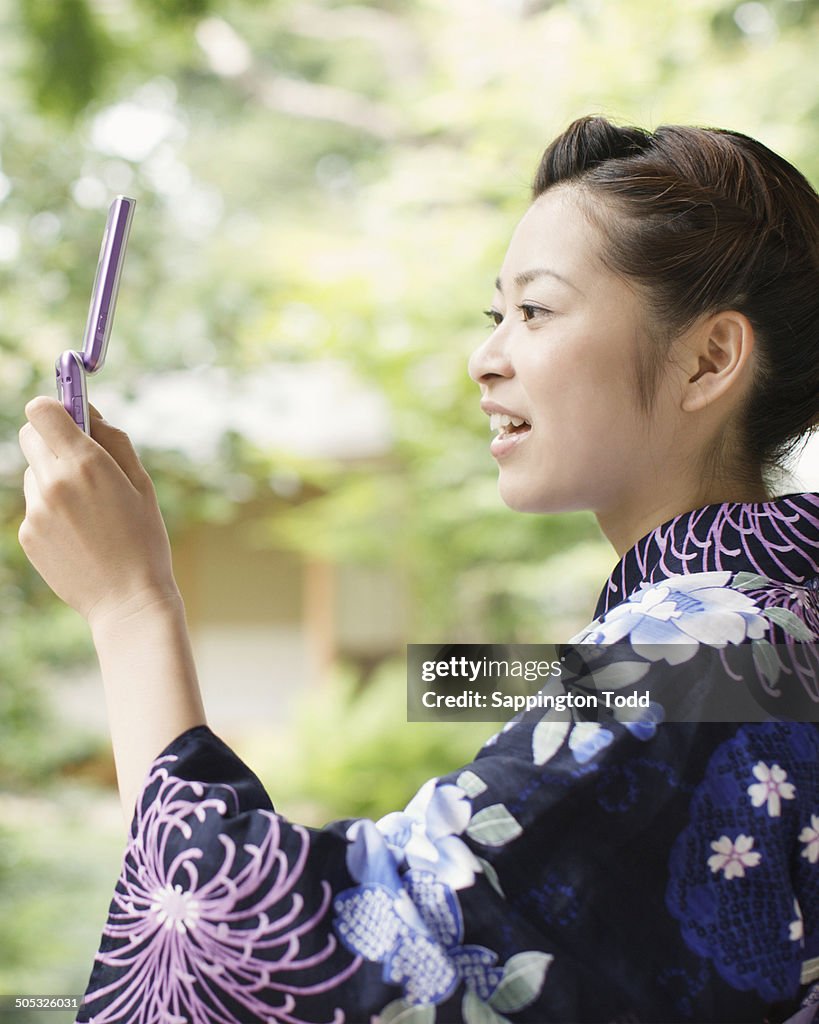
<point>717,359</point>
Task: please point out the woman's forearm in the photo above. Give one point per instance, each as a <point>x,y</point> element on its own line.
<point>151,688</point>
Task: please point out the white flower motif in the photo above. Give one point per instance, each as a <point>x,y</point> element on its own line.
<point>771,788</point>
<point>699,608</point>
<point>797,927</point>
<point>175,908</point>
<point>733,856</point>
<point>810,836</point>
<point>425,834</point>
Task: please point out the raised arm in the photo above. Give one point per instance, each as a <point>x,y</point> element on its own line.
<point>94,532</point>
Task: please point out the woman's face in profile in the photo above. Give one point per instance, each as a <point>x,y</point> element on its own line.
<point>561,357</point>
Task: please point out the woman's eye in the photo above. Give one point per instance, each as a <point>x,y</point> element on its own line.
<point>531,312</point>
<point>494,316</point>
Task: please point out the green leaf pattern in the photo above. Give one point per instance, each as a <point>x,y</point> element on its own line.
<point>476,1011</point>
<point>766,661</point>
<point>792,625</point>
<point>523,978</point>
<point>471,784</point>
<point>491,876</point>
<point>749,581</point>
<point>548,737</point>
<point>493,826</point>
<point>401,1012</point>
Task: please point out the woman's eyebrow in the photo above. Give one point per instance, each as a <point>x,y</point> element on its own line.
<point>527,276</point>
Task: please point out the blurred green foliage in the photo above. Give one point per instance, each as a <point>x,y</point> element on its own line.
<point>352,754</point>
<point>322,179</point>
<point>68,56</point>
<point>55,887</point>
<point>330,180</point>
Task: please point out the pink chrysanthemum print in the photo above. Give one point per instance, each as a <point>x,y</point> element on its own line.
<point>216,939</point>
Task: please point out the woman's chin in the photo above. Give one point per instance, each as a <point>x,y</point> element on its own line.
<point>520,498</point>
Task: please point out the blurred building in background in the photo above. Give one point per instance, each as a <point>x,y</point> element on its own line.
<point>267,621</point>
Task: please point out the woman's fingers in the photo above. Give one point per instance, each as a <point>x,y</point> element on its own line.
<point>118,445</point>
<point>93,528</point>
<point>55,426</point>
<point>51,436</point>
<point>31,492</point>
<point>39,456</point>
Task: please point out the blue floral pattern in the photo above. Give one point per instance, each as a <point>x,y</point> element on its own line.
<point>620,868</point>
<point>405,913</point>
<point>415,930</point>
<point>424,836</point>
<point>735,850</point>
<point>681,610</point>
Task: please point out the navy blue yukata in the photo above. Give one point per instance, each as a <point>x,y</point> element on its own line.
<point>602,868</point>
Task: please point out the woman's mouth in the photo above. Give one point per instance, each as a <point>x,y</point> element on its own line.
<point>512,430</point>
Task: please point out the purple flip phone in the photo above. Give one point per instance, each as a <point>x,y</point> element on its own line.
<point>71,388</point>
<point>72,367</point>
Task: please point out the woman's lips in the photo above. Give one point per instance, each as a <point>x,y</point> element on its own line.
<point>512,428</point>
<point>505,442</point>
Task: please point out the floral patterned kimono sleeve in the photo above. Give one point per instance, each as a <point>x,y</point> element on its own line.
<point>223,909</point>
<point>575,870</point>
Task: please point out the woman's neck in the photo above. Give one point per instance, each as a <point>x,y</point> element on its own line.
<point>625,525</point>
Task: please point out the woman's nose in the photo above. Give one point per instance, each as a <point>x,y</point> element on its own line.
<point>491,358</point>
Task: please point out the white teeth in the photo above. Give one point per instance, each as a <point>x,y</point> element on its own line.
<point>500,421</point>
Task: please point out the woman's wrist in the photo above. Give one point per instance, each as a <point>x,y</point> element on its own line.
<point>150,680</point>
<point>144,608</point>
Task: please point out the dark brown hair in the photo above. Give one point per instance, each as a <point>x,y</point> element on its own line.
<point>703,220</point>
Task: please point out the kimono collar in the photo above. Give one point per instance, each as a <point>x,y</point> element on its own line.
<point>778,539</point>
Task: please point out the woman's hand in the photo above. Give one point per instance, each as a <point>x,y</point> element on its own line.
<point>93,529</point>
<point>94,532</point>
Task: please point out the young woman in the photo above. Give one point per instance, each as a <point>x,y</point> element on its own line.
<point>654,355</point>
